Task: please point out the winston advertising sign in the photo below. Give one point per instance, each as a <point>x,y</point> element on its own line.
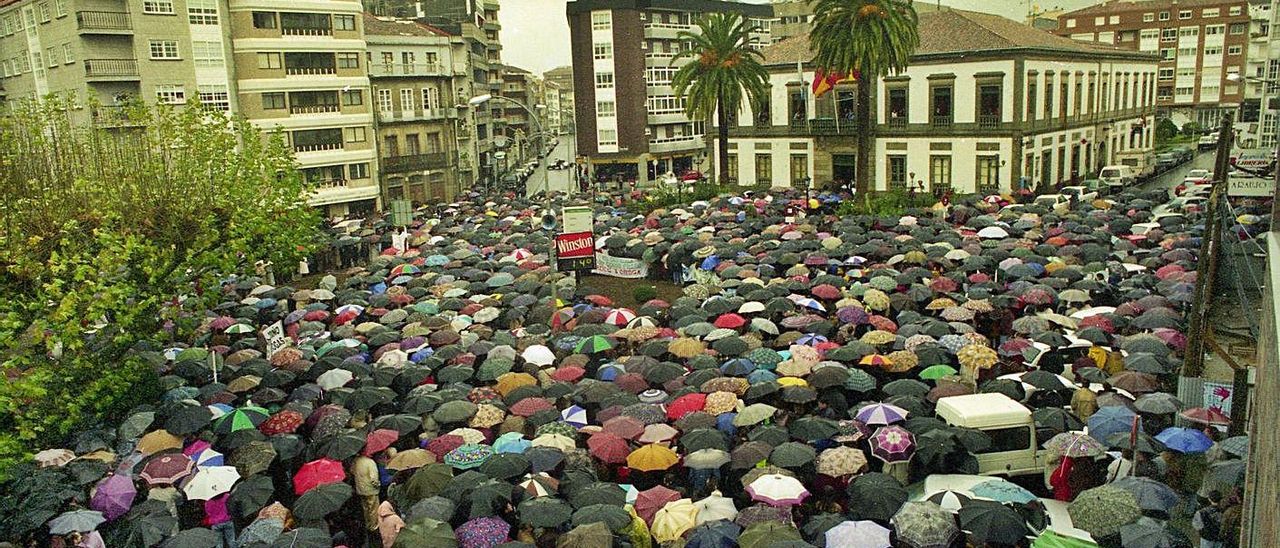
<point>575,250</point>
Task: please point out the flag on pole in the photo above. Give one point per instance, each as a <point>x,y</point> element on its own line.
<point>824,81</point>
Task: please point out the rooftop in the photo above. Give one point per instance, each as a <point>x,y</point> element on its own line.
<point>695,6</point>
<point>387,26</point>
<point>1116,6</point>
<point>959,32</point>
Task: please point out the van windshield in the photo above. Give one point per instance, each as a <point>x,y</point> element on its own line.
<point>1003,440</point>
<point>1111,172</point>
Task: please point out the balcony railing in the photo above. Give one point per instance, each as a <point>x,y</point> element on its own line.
<point>896,121</point>
<point>406,69</point>
<point>939,120</point>
<point>313,109</point>
<point>299,31</point>
<point>989,121</point>
<point>317,147</point>
<point>103,20</point>
<point>676,26</point>
<point>110,68</point>
<point>415,162</point>
<point>330,183</point>
<point>310,70</point>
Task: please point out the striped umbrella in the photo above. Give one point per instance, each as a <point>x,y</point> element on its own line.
<point>540,485</point>
<point>244,418</point>
<point>881,413</point>
<point>593,345</point>
<point>893,444</point>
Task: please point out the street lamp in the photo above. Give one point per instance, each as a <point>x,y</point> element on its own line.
<point>1275,162</point>
<point>537,122</point>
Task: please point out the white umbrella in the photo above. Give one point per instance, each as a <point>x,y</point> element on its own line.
<point>858,534</point>
<point>715,507</point>
<point>54,457</point>
<point>539,355</point>
<point>751,307</point>
<point>210,481</point>
<point>993,233</point>
<point>334,378</point>
<point>777,490</point>
<point>1092,311</point>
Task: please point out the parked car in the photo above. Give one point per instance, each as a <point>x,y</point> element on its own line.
<point>1081,194</point>
<point>1208,141</point>
<point>1014,449</point>
<point>1058,203</point>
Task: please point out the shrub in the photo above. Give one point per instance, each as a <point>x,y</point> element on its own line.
<point>1166,129</point>
<point>644,293</point>
<point>1192,129</point>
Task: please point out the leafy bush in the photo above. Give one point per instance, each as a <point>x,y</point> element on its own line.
<point>1192,129</point>
<point>644,293</point>
<point>1166,129</point>
<point>123,242</point>
<point>890,203</point>
<point>665,196</point>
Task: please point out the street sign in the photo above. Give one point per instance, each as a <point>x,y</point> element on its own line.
<point>1252,187</point>
<point>576,219</point>
<point>575,251</point>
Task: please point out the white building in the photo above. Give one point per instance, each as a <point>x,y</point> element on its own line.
<point>987,102</point>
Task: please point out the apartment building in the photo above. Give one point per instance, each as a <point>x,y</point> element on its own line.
<point>551,98</point>
<point>163,51</point>
<point>562,77</point>
<point>794,18</point>
<point>1255,123</point>
<point>523,87</point>
<point>1200,43</point>
<point>418,75</point>
<point>629,122</point>
<point>987,104</point>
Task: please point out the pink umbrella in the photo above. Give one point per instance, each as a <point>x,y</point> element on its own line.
<point>649,501</point>
<point>893,444</point>
<point>114,496</point>
<point>1172,337</point>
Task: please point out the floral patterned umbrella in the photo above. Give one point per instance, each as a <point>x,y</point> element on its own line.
<point>892,444</point>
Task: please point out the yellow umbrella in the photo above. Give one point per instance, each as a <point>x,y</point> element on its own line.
<point>558,441</point>
<point>794,368</point>
<point>157,441</point>
<point>941,303</point>
<point>686,348</point>
<point>876,360</point>
<point>652,457</point>
<point>876,300</point>
<point>413,458</point>
<point>673,519</point>
<point>792,381</point>
<point>878,337</point>
<point>720,402</point>
<point>977,356</point>
<point>487,415</point>
<point>511,381</point>
<point>902,361</point>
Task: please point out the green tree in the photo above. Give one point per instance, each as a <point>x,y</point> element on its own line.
<point>1166,130</point>
<point>722,68</point>
<point>870,39</point>
<point>114,236</point>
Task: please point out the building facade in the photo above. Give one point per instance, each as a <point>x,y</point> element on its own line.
<point>1201,44</point>
<point>987,104</point>
<point>629,122</point>
<point>562,77</point>
<point>416,72</point>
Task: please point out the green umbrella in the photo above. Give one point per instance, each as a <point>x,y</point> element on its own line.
<point>544,512</point>
<point>599,492</point>
<point>767,533</point>
<point>875,496</point>
<point>792,455</point>
<point>704,438</point>
<point>250,495</point>
<point>454,411</point>
<point>1102,511</point>
<point>593,344</point>
<point>426,532</point>
<point>253,457</point>
<point>754,414</point>
<point>488,496</point>
<point>615,517</point>
<point>198,537</point>
<point>813,428</point>
<point>321,501</point>
<point>935,372</point>
<point>1050,539</point>
<point>860,381</point>
<point>244,418</point>
<point>338,447</point>
<point>145,529</point>
<point>589,535</point>
<point>504,466</point>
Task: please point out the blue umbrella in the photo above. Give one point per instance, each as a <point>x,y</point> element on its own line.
<point>1110,420</point>
<point>811,340</point>
<point>1151,494</point>
<point>713,534</point>
<point>511,442</point>
<point>437,260</point>
<point>710,263</point>
<point>1185,440</point>
<point>1002,491</point>
<point>610,371</point>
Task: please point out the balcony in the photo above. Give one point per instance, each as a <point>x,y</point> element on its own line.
<point>103,22</point>
<point>416,115</point>
<point>407,69</point>
<point>306,31</point>
<point>989,121</point>
<point>678,143</point>
<point>111,69</point>
<point>310,71</point>
<point>415,162</point>
<point>314,109</point>
<point>896,122</point>
<point>668,31</point>
<point>330,183</point>
<point>938,120</point>
<point>317,147</point>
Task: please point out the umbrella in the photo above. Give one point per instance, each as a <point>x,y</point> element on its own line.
<point>114,496</point>
<point>777,490</point>
<point>924,525</point>
<point>713,534</point>
<point>166,469</point>
<point>949,500</point>
<point>321,501</point>
<point>1184,440</point>
<point>1102,511</point>
<point>593,344</point>
<point>1151,533</point>
<point>880,413</point>
<point>862,534</point>
<point>766,534</point>
<point>1151,494</point>
<point>426,532</point>
<point>992,522</point>
<point>587,535</point>
<point>652,457</point>
<point>650,500</point>
<point>468,456</point>
<point>875,496</point>
<point>1001,490</point>
<point>841,461</point>
<point>483,532</point>
<point>1205,415</point>
<point>76,521</point>
<point>316,473</point>
<point>210,481</point>
<point>1075,444</point>
<point>1110,420</point>
<point>892,444</point>
<point>544,512</point>
<point>673,520</point>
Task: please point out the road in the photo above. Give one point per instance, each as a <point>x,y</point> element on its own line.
<point>558,179</point>
<point>1171,178</point>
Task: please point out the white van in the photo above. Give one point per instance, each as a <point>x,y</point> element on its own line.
<point>1118,176</point>
<point>1014,450</point>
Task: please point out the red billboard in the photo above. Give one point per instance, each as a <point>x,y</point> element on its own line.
<point>576,250</point>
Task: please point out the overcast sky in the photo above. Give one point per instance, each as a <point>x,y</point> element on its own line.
<point>535,34</point>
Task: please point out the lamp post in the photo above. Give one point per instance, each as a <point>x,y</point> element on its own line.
<point>537,122</point>
<point>1275,161</point>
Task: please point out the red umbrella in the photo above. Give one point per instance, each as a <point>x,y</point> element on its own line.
<point>609,448</point>
<point>624,427</point>
<point>686,404</point>
<point>1099,321</point>
<point>166,469</point>
<point>568,374</point>
<point>649,501</point>
<point>316,473</point>
<point>825,291</point>
<point>379,439</point>
<point>528,406</point>
<point>730,321</point>
<point>599,300</point>
<point>284,422</point>
<point>442,445</point>
<point>882,323</point>
<point>942,284</point>
<point>1205,415</point>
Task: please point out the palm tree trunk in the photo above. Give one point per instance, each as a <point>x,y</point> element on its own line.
<point>722,136</point>
<point>864,138</point>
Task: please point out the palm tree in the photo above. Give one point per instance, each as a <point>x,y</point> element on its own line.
<point>722,68</point>
<point>868,38</point>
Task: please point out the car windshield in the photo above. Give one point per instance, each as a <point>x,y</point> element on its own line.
<point>1111,172</point>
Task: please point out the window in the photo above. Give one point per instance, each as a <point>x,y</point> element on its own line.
<point>1168,35</point>
<point>1234,10</point>
<point>764,169</point>
<point>601,20</point>
<point>354,134</point>
<point>344,22</point>
<point>407,59</point>
<point>68,54</point>
<point>604,80</point>
<point>1209,12</point>
<point>171,94</point>
<point>1184,90</point>
<point>388,60</point>
<point>1148,17</point>
<point>406,99</point>
<point>1167,54</point>
<point>1071,23</point>
<point>1031,99</point>
<point>272,101</point>
<point>1234,50</point>
<point>1188,52</point>
<point>1184,14</point>
<point>988,176</point>
<point>607,137</point>
<point>602,51</point>
<point>940,111</point>
<point>799,167</point>
<point>1166,74</point>
<point>164,7</point>
<point>1215,50</point>
<point>1186,72</point>
<point>605,109</point>
<point>269,61</point>
<point>202,12</point>
<point>358,171</point>
<point>215,97</point>
<point>1048,96</point>
<point>353,97</point>
<point>1004,440</point>
<point>164,49</point>
<point>384,100</point>
<point>348,60</point>
<point>733,167</point>
<point>51,53</point>
<point>1214,30</point>
<point>897,171</point>
<point>939,173</point>
<point>1209,90</point>
<point>44,12</point>
<point>1113,20</point>
<point>207,54</point>
<point>1186,32</point>
<point>264,20</point>
<point>990,97</point>
<point>1150,34</point>
<point>60,8</point>
<point>431,98</point>
<point>1164,16</point>
<point>391,145</point>
<point>1099,21</point>
<point>665,104</point>
<point>1238,28</point>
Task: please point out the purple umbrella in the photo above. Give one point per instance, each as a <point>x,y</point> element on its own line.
<point>114,496</point>
<point>483,532</point>
<point>853,315</point>
<point>892,444</point>
<point>881,413</point>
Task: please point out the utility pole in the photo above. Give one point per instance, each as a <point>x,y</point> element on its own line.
<point>1207,265</point>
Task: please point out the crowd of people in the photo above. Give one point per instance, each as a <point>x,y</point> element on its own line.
<point>456,390</point>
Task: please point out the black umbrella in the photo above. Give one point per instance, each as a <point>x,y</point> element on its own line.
<point>188,420</point>
<point>875,496</point>
<point>991,522</point>
<point>250,495</point>
<point>199,537</point>
<point>544,512</point>
<point>1057,419</point>
<point>322,501</point>
<point>303,537</point>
